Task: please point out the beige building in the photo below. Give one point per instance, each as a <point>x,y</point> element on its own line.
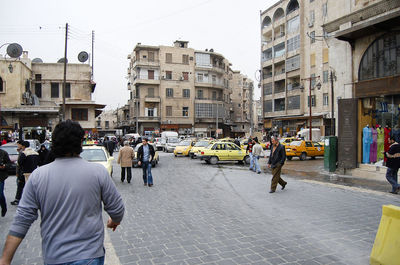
<point>31,96</point>
<point>295,57</point>
<point>179,88</point>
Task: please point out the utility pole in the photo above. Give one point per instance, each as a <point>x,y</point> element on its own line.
<point>137,110</point>
<point>65,71</point>
<point>216,123</point>
<point>310,79</point>
<point>333,131</point>
<point>92,53</point>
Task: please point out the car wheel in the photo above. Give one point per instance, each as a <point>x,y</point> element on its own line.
<point>313,157</point>
<point>175,155</point>
<point>192,156</point>
<point>289,157</point>
<point>214,160</point>
<point>246,160</point>
<point>207,161</point>
<point>303,156</point>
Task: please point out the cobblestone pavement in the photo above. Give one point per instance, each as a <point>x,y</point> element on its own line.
<point>203,214</point>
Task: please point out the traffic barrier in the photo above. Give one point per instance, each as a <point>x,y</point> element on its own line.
<point>386,249</point>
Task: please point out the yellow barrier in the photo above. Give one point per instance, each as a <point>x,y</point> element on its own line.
<point>386,249</point>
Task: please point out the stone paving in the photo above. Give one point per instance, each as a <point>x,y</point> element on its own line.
<point>202,214</point>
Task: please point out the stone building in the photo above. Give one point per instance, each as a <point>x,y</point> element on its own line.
<point>179,88</point>
<point>369,34</point>
<point>295,57</point>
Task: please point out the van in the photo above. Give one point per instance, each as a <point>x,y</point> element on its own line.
<point>166,135</point>
<point>305,134</point>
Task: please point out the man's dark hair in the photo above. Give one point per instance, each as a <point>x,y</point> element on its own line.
<point>25,143</point>
<point>392,137</point>
<point>145,139</point>
<point>67,138</point>
<point>20,142</point>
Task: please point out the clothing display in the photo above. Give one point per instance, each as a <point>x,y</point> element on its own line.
<point>381,139</point>
<point>367,140</point>
<point>387,131</point>
<point>374,146</point>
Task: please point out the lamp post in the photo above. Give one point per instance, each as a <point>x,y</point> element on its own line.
<point>310,79</point>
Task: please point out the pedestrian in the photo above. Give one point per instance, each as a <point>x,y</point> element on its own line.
<point>20,176</point>
<point>70,194</point>
<point>5,164</point>
<point>125,156</point>
<point>393,163</point>
<point>237,142</point>
<point>249,149</point>
<point>145,155</point>
<point>109,145</point>
<point>276,160</point>
<point>43,154</point>
<point>257,151</point>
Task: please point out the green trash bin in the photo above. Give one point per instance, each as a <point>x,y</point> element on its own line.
<point>330,153</point>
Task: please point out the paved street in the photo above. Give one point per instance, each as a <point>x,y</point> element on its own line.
<point>202,214</point>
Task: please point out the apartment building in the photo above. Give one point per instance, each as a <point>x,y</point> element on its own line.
<point>295,65</point>
<point>181,89</point>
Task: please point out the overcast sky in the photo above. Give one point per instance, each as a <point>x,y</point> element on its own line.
<point>230,27</point>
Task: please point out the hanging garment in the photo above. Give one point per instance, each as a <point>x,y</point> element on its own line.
<point>381,140</point>
<point>374,146</point>
<point>367,140</point>
<point>386,140</point>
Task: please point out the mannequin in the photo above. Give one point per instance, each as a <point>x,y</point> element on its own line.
<point>374,145</point>
<point>367,140</point>
<point>387,131</point>
<point>381,139</point>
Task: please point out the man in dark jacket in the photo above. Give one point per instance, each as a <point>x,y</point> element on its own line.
<point>393,164</point>
<point>276,160</point>
<point>28,160</point>
<point>5,164</point>
<point>145,155</point>
<point>109,145</point>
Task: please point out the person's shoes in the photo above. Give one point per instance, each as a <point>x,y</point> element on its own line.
<point>15,202</point>
<point>129,182</point>
<point>394,192</point>
<point>150,185</point>
<point>122,180</point>
<point>259,172</point>
<point>3,212</point>
<point>145,184</point>
<point>271,191</point>
<point>283,186</point>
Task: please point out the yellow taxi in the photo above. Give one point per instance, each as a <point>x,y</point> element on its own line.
<point>227,139</point>
<point>224,151</point>
<point>198,147</point>
<point>302,149</point>
<point>98,154</point>
<point>287,140</point>
<point>184,147</point>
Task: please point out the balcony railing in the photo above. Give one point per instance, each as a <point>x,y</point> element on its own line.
<point>291,87</point>
<point>146,61</point>
<point>146,77</point>
<point>211,82</point>
<point>204,98</point>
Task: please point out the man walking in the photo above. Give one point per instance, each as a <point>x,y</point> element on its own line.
<point>109,145</point>
<point>20,176</point>
<point>125,156</point>
<point>393,164</point>
<point>145,156</point>
<point>257,150</point>
<point>249,149</point>
<point>70,193</point>
<point>276,160</point>
<point>5,164</point>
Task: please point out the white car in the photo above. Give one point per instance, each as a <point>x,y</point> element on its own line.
<point>172,142</point>
<point>98,154</point>
<point>157,142</point>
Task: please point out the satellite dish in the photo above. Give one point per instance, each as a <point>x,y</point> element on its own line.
<point>83,56</point>
<point>14,50</point>
<point>37,60</point>
<point>62,60</point>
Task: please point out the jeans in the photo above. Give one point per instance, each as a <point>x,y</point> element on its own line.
<point>95,261</point>
<point>2,198</point>
<point>129,170</point>
<point>391,176</point>
<point>147,177</point>
<point>20,186</point>
<point>251,161</point>
<point>256,164</point>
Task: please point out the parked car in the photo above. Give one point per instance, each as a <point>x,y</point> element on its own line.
<point>198,147</point>
<point>302,149</point>
<point>11,149</point>
<point>184,147</point>
<point>156,158</point>
<point>157,142</point>
<point>224,151</point>
<point>171,143</point>
<point>98,154</point>
<point>287,140</point>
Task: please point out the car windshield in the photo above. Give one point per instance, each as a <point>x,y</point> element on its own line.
<point>93,155</point>
<point>296,143</point>
<point>11,150</point>
<point>202,144</point>
<point>185,143</point>
<point>173,140</point>
<point>281,140</point>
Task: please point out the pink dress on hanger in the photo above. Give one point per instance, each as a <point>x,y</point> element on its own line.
<point>374,146</point>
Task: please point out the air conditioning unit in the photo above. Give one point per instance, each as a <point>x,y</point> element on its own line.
<point>181,78</point>
<point>310,24</point>
<point>162,77</point>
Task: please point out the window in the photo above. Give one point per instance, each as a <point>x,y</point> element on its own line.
<point>293,25</point>
<point>279,50</point>
<point>325,75</point>
<point>170,92</point>
<point>2,85</point>
<point>68,90</point>
<point>239,105</point>
<point>151,56</point>
<point>186,93</point>
<point>312,36</point>
<point>293,63</point>
<point>324,9</point>
<point>325,55</point>
<point>313,81</point>
<point>268,106</point>
<point>312,59</point>
<point>293,43</point>
<point>79,114</point>
<point>150,74</point>
<point>38,90</point>
<point>38,77</point>
<point>214,79</point>
<point>185,76</point>
<point>150,112</point>
<point>200,94</point>
<point>214,95</point>
<point>55,93</point>
<point>107,124</point>
<point>185,111</point>
<point>168,110</point>
<point>279,104</point>
<point>267,89</point>
<point>313,103</point>
<point>326,99</point>
<point>203,59</point>
<point>98,124</point>
<point>168,75</point>
<point>168,57</point>
<point>293,102</point>
<point>150,92</point>
<point>185,59</point>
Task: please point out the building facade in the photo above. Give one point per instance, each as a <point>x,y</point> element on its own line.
<point>181,89</point>
<point>295,67</point>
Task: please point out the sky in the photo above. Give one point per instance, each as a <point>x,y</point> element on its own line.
<point>230,27</point>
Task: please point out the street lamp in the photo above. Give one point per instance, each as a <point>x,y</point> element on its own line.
<point>10,68</point>
<point>318,85</point>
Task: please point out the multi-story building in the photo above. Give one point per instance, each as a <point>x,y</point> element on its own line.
<point>106,122</point>
<point>295,57</point>
<point>179,88</point>
<point>31,96</point>
<point>258,120</point>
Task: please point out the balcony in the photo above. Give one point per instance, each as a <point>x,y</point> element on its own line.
<point>146,62</point>
<point>209,83</point>
<point>145,79</point>
<point>149,119</point>
<point>208,99</point>
<point>211,68</point>
<point>152,99</point>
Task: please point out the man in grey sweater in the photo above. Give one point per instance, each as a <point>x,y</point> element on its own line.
<point>69,194</point>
